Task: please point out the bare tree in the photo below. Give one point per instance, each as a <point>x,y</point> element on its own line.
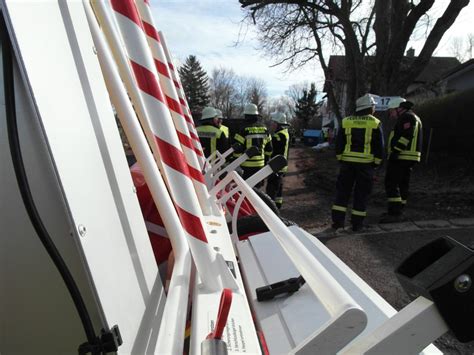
<point>375,37</point>
<point>256,92</point>
<point>230,92</point>
<point>223,91</point>
<point>284,104</point>
<point>457,48</point>
<point>470,45</point>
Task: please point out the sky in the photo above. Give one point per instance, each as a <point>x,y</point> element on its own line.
<point>210,29</point>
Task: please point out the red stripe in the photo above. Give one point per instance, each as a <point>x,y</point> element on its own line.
<point>183,102</point>
<point>185,140</point>
<point>147,81</point>
<point>191,224</point>
<point>176,84</point>
<point>175,159</point>
<point>189,120</point>
<point>174,105</point>
<point>198,152</point>
<point>162,69</point>
<point>171,66</point>
<point>128,9</point>
<point>151,31</point>
<point>193,136</point>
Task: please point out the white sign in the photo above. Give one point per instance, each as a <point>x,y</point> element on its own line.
<point>381,102</point>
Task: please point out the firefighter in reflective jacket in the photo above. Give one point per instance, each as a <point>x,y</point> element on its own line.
<point>359,148</point>
<point>211,136</point>
<point>223,128</point>
<point>404,151</point>
<point>253,133</point>
<point>280,143</point>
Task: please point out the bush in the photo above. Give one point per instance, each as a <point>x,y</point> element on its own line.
<point>450,119</point>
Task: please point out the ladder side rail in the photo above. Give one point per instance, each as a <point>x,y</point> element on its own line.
<point>182,97</point>
<point>162,138</point>
<point>347,318</point>
<point>171,100</point>
<point>251,181</point>
<point>171,334</point>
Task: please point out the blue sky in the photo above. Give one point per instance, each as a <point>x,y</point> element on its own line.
<point>210,29</point>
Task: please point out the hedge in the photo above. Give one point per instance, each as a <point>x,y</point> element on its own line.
<point>450,119</point>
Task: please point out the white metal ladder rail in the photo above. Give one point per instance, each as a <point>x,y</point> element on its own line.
<point>347,319</point>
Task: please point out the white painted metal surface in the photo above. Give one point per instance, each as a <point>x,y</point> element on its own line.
<point>283,322</point>
<point>239,333</point>
<point>35,307</point>
<point>407,332</point>
<point>63,74</point>
<point>346,318</point>
<point>113,259</point>
<point>171,337</point>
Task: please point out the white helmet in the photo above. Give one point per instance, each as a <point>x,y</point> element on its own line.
<point>219,113</point>
<point>279,117</point>
<point>364,102</point>
<point>395,102</point>
<point>251,109</point>
<point>208,113</point>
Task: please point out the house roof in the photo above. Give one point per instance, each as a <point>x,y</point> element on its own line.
<point>436,67</point>
<point>455,71</point>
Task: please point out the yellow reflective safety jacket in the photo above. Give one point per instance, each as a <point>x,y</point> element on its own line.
<point>212,138</point>
<point>360,140</point>
<point>225,129</point>
<point>281,144</point>
<point>406,139</point>
<point>255,134</point>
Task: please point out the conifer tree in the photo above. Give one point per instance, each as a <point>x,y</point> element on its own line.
<point>306,107</point>
<point>195,85</point>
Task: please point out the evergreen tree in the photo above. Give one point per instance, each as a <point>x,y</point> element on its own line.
<point>306,107</point>
<point>195,85</point>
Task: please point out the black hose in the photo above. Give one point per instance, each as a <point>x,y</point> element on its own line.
<point>25,191</point>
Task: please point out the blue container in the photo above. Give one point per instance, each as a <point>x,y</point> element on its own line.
<point>312,137</point>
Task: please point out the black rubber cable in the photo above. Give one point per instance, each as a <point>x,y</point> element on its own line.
<point>23,185</point>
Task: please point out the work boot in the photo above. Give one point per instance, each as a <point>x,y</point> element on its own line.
<point>390,218</point>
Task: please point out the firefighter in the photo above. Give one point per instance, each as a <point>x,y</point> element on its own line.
<point>404,151</point>
<point>253,133</point>
<point>223,128</point>
<point>280,143</point>
<point>211,136</point>
<point>359,148</point>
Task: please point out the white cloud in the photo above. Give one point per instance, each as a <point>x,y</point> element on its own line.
<point>210,30</point>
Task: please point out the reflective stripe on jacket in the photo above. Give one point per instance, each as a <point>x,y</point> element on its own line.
<point>360,140</point>
<point>225,129</point>
<point>212,138</point>
<point>255,134</point>
<point>406,139</point>
<point>281,144</point>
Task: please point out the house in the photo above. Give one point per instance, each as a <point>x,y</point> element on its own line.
<point>459,78</point>
<point>435,69</point>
